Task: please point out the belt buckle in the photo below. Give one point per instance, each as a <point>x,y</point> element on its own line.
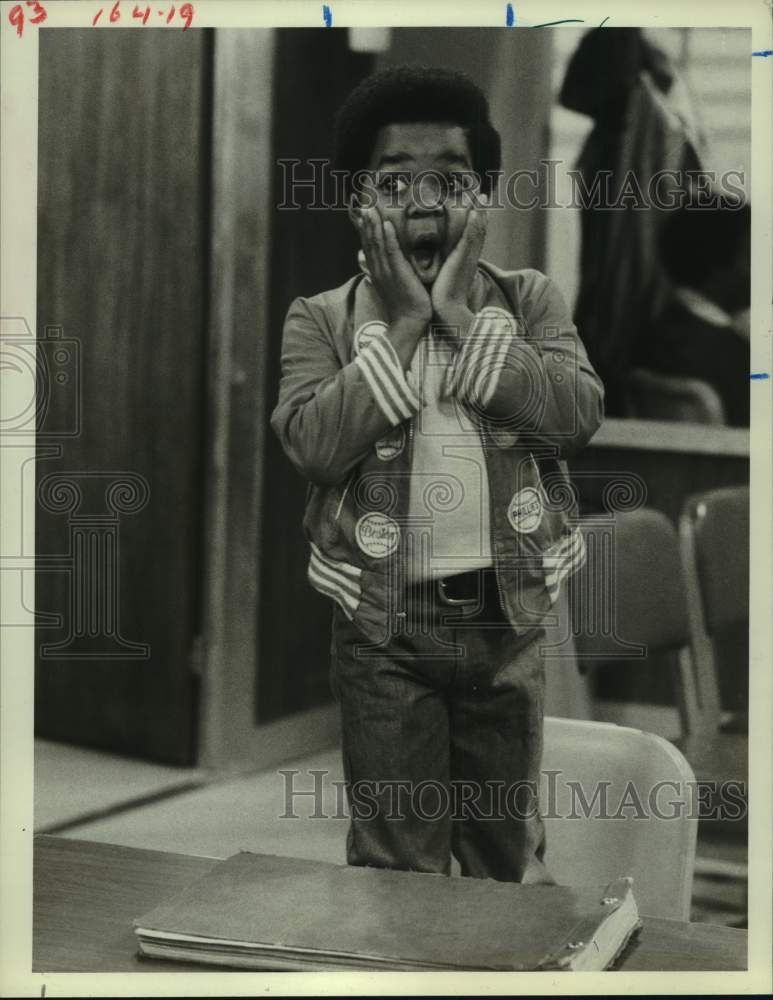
<point>453,602</point>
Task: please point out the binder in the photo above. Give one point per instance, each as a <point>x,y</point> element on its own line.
<point>257,911</point>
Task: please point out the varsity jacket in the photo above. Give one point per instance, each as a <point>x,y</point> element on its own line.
<point>346,415</point>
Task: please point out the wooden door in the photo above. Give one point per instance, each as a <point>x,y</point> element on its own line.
<point>123,187</point>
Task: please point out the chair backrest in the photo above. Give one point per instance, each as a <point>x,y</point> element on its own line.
<point>628,599</point>
<point>654,396</point>
<point>630,591</point>
<point>719,522</point>
<point>714,533</point>
<point>648,784</point>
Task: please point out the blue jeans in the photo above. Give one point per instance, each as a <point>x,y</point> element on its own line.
<point>442,740</point>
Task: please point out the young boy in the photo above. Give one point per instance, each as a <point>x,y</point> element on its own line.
<point>430,401</point>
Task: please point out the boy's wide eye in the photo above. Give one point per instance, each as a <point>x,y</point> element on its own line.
<point>392,183</point>
<point>462,181</point>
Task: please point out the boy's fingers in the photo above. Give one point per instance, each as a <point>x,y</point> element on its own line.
<point>363,229</point>
<point>376,236</point>
<point>367,241</point>
<point>377,228</point>
<point>477,221</point>
<point>367,228</point>
<point>471,226</point>
<point>376,239</point>
<point>391,244</point>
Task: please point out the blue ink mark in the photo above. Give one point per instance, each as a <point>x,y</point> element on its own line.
<point>604,21</point>
<point>763,53</point>
<point>509,15</point>
<point>568,20</point>
<point>759,375</point>
<point>327,15</point>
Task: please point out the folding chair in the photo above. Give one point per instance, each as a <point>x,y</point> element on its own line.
<point>603,766</point>
<point>632,594</point>
<point>714,532</point>
<point>628,601</point>
<point>654,396</point>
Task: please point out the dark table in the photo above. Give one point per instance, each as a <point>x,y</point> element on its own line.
<point>87,894</point>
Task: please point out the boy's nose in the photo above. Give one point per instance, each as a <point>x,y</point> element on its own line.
<point>428,193</point>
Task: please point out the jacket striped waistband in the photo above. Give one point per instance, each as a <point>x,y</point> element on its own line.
<point>342,581</point>
<point>561,560</point>
<point>339,580</point>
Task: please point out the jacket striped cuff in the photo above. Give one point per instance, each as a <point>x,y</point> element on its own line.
<point>338,580</point>
<point>384,374</point>
<point>561,560</point>
<point>483,356</point>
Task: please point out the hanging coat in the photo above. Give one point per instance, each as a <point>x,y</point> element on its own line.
<point>644,126</point>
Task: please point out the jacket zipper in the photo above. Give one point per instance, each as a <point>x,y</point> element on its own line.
<point>402,615</point>
<point>482,437</point>
<point>493,548</point>
<point>343,495</point>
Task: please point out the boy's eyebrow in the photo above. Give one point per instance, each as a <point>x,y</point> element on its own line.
<point>453,157</point>
<point>447,156</point>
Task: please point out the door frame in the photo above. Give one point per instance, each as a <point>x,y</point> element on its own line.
<point>237,394</point>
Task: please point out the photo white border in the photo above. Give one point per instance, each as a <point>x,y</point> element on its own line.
<point>18,267</point>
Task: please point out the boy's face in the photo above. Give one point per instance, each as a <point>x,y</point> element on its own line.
<point>419,173</point>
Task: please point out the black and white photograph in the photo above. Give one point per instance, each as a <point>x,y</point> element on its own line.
<point>386,445</point>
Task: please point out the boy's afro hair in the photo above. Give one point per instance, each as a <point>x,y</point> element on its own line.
<point>415,94</point>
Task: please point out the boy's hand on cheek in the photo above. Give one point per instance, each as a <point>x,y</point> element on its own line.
<point>397,284</point>
<point>451,290</point>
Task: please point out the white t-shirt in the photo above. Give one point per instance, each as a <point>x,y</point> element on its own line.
<point>449,527</point>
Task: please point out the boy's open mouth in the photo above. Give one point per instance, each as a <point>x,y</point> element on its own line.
<point>425,256</point>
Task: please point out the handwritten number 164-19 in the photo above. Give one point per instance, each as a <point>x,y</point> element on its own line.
<point>185,12</point>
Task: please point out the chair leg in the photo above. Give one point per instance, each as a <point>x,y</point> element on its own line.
<point>702,648</point>
<point>687,697</point>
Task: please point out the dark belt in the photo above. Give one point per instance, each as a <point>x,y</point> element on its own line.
<point>463,589</point>
<point>477,587</point>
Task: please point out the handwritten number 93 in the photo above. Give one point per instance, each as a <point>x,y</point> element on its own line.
<point>37,15</point>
